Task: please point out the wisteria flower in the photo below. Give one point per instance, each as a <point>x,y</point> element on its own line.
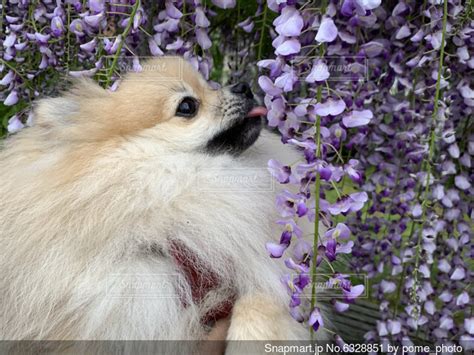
<point>357,118</point>
<point>289,46</point>
<point>280,172</point>
<point>289,23</point>
<point>316,319</point>
<point>327,31</point>
<point>330,107</point>
<point>319,72</point>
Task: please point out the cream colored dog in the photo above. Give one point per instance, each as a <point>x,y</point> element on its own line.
<point>140,213</point>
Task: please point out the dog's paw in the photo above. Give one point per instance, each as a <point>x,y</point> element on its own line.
<point>258,317</point>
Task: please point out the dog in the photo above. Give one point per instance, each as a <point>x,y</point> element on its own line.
<point>142,214</point>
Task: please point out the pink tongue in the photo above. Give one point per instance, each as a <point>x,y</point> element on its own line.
<point>257,112</point>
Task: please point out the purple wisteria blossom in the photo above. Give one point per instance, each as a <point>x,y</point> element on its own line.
<point>313,122</point>
<point>372,132</point>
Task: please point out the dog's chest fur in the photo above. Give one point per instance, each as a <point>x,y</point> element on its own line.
<point>75,252</point>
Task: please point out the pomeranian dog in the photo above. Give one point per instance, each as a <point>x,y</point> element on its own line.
<point>142,214</point>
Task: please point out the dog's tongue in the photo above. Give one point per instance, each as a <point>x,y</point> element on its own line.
<point>257,112</point>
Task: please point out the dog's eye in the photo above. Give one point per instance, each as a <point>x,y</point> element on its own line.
<point>188,107</point>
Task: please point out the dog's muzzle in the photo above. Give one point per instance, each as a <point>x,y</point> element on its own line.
<point>246,123</point>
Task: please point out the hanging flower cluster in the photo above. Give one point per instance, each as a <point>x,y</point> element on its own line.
<point>414,238</point>
<point>397,129</point>
<point>312,88</point>
<point>378,97</point>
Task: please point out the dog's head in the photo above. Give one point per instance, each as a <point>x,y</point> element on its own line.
<point>168,102</point>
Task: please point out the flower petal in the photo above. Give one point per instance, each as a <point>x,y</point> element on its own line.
<point>203,38</point>
<point>461,182</point>
<point>290,46</point>
<point>11,99</point>
<point>357,118</point>
<point>369,4</point>
<point>289,23</point>
<point>340,306</point>
<point>267,85</point>
<point>14,124</point>
<point>319,72</point>
<point>327,31</point>
<point>330,107</point>
<point>276,250</point>
<point>355,292</point>
<point>201,19</point>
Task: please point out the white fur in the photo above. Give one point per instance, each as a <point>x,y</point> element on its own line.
<point>62,247</point>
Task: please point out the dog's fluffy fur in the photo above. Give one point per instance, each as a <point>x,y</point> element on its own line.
<point>93,194</point>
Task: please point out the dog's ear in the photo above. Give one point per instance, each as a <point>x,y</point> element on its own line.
<point>63,109</point>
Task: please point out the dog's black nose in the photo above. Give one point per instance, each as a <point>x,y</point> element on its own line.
<point>243,89</point>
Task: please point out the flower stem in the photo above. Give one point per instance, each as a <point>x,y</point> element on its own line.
<point>184,14</point>
<point>317,192</point>
<point>427,165</point>
<point>3,14</point>
<point>433,129</point>
<point>264,22</point>
<point>68,38</point>
<point>120,45</point>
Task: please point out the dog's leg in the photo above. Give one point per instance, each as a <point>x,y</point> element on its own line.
<point>257,318</point>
